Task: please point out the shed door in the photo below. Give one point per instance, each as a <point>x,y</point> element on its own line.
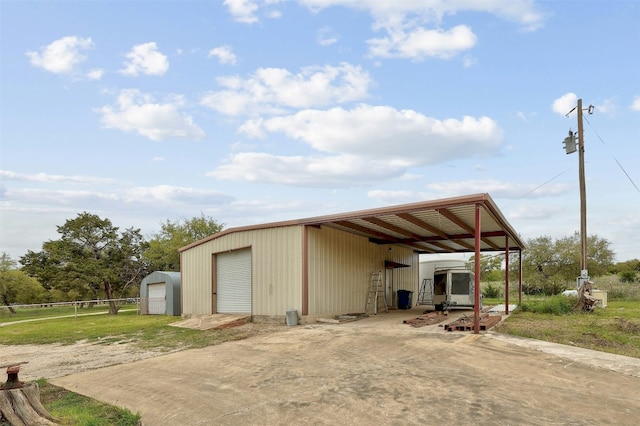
<point>157,298</point>
<point>233,277</point>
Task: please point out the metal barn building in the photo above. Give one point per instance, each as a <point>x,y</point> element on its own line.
<point>322,266</point>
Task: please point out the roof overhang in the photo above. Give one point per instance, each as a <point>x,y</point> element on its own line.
<point>438,226</point>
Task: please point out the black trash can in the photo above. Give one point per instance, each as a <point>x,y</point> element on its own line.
<point>404,299</point>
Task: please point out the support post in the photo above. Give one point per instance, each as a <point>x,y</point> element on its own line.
<point>506,275</point>
<point>519,277</point>
<point>476,304</point>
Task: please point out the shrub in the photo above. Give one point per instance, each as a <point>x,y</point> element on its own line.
<point>547,288</point>
<point>556,305</point>
<point>491,291</point>
<point>628,276</point>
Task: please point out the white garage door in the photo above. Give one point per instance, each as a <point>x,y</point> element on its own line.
<point>157,298</point>
<point>233,276</point>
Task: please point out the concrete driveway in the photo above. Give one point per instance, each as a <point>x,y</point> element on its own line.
<point>373,371</point>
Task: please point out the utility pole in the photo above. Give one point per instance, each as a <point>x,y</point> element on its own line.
<point>583,197</point>
<point>570,148</point>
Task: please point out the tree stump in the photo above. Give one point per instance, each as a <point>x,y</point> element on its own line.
<point>586,302</point>
<point>20,402</point>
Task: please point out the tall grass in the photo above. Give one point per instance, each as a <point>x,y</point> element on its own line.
<point>555,305</point>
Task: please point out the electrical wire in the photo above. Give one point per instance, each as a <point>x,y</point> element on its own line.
<point>614,157</point>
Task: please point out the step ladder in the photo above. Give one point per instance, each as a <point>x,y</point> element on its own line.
<point>376,293</point>
<point>425,295</point>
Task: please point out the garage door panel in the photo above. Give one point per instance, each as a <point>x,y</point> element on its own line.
<point>157,293</point>
<point>233,276</point>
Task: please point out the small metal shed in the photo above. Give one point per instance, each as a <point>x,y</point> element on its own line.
<point>160,293</point>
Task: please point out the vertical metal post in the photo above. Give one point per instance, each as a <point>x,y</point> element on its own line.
<point>476,302</point>
<point>305,270</point>
<point>506,275</point>
<point>583,195</point>
<point>519,277</point>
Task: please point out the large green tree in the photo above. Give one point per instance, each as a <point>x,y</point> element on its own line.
<point>163,249</point>
<point>16,286</point>
<point>91,258</point>
<point>556,262</point>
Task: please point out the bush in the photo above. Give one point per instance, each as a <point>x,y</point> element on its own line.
<point>628,276</point>
<point>491,292</point>
<point>556,305</point>
<point>547,288</point>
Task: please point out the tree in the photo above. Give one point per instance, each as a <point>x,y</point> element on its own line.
<point>548,265</point>
<point>163,249</point>
<point>16,287</point>
<point>91,257</point>
<point>490,267</point>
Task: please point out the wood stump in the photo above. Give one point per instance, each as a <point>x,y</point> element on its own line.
<point>20,402</point>
<point>586,302</point>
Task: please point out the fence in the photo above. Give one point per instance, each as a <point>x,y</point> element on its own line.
<point>153,306</point>
<point>61,309</point>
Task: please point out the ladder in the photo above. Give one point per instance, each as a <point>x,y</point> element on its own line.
<point>376,292</point>
<point>425,295</point>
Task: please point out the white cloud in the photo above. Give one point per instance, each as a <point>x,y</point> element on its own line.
<point>420,43</point>
<point>326,36</point>
<point>327,171</point>
<point>565,103</point>
<point>414,27</point>
<point>536,212</point>
<point>47,178</point>
<point>498,189</point>
<point>269,90</point>
<point>103,191</point>
<point>145,59</point>
<point>385,133</point>
<point>392,14</point>
<point>170,194</point>
<point>393,197</point>
<point>61,56</point>
<point>243,10</point>
<point>359,146</point>
<point>635,105</point>
<point>95,74</point>
<point>139,113</point>
<point>224,54</point>
<point>608,106</point>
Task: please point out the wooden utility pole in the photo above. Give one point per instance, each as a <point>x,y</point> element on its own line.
<point>583,197</point>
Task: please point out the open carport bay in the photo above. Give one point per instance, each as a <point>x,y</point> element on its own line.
<point>373,371</point>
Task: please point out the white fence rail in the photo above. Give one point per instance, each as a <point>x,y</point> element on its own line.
<point>64,308</point>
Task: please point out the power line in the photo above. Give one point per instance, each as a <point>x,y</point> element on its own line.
<point>614,157</point>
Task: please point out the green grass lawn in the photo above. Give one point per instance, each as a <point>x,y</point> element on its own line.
<point>614,329</point>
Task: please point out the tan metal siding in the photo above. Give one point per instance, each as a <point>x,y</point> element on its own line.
<point>276,270</point>
<point>340,264</point>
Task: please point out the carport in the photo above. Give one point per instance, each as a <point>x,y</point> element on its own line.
<point>465,224</point>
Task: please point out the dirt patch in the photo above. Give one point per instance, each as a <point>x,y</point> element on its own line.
<point>56,360</point>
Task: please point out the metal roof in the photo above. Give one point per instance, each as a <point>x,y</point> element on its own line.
<point>438,226</point>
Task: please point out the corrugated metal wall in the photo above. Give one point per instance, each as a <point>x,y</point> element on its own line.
<point>339,267</point>
<point>340,264</point>
<point>276,270</point>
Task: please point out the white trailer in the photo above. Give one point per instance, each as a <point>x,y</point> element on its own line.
<point>446,283</point>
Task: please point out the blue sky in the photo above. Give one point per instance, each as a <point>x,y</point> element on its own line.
<point>259,111</point>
